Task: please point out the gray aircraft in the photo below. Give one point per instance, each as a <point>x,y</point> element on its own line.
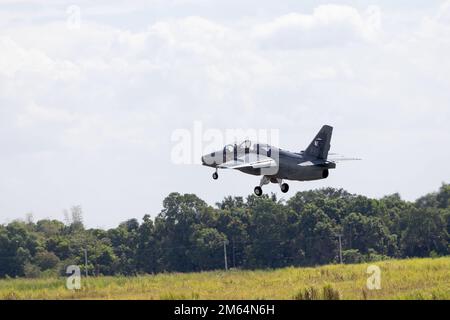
<point>274,164</point>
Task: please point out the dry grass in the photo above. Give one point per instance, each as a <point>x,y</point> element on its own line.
<point>400,279</point>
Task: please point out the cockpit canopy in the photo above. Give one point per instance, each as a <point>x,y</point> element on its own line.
<point>243,151</point>
<point>248,146</point>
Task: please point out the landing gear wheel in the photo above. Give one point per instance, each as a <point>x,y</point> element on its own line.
<point>215,176</point>
<point>258,191</point>
<point>284,187</point>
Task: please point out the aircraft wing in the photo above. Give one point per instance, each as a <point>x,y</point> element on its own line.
<point>329,163</point>
<point>249,161</point>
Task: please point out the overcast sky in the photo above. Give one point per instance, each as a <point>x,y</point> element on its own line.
<point>87,109</point>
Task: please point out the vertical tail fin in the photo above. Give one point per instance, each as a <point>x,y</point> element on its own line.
<point>320,146</point>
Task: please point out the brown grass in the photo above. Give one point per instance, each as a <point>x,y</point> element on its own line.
<point>400,279</point>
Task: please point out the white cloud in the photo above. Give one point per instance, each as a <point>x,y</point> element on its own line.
<point>96,106</point>
<point>36,113</point>
<point>327,25</point>
<point>16,59</point>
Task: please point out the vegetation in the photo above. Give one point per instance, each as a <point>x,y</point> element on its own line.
<point>188,236</point>
<point>424,278</point>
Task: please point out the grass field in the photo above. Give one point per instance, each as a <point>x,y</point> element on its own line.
<point>400,279</point>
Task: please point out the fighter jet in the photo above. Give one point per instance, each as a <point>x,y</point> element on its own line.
<point>274,164</point>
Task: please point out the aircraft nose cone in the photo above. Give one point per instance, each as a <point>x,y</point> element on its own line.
<point>208,160</point>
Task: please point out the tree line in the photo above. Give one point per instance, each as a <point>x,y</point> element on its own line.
<point>190,235</point>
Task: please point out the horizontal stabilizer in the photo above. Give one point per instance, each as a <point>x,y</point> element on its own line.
<point>318,163</point>
<point>339,159</point>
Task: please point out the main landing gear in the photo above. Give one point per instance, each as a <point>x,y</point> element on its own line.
<point>284,187</point>
<point>266,180</point>
<point>258,191</point>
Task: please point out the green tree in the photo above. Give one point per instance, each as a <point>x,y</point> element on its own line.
<point>268,229</point>
<point>426,231</point>
<point>207,250</point>
<point>443,196</point>
<point>174,228</point>
<point>148,250</point>
<point>317,236</point>
<point>364,233</point>
<point>17,247</point>
<point>46,260</point>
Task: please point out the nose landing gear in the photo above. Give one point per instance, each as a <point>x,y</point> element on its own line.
<point>215,175</point>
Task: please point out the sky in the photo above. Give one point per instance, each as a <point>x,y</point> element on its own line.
<point>91,94</point>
